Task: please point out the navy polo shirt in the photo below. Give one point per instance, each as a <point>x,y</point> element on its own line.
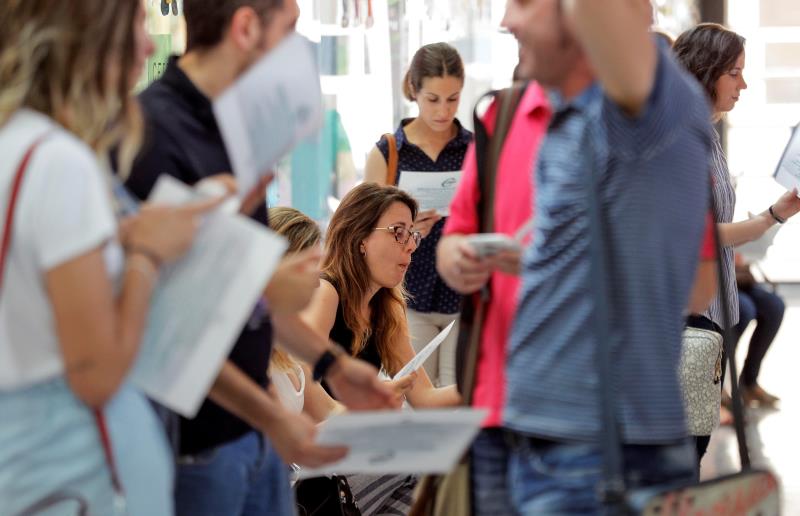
<point>428,291</point>
<point>182,139</point>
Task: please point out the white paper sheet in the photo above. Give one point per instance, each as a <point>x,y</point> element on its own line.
<point>432,190</point>
<point>420,358</point>
<point>394,442</point>
<point>788,171</point>
<point>273,106</point>
<point>202,302</point>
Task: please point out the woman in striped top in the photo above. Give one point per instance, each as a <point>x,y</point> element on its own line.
<point>716,57</point>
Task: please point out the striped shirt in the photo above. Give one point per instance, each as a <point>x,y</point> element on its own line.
<point>651,182</point>
<point>724,202</point>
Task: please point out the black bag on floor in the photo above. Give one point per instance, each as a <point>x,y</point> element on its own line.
<point>325,496</point>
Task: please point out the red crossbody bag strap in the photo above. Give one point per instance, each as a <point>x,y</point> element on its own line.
<point>4,247</point>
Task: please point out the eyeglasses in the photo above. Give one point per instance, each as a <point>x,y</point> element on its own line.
<point>403,235</point>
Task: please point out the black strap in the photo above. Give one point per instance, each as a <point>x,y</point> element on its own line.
<point>487,155</point>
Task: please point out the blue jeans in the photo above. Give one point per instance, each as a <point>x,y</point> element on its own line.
<point>50,451</point>
<point>241,478</point>
<point>489,474</point>
<point>547,477</point>
<point>766,308</point>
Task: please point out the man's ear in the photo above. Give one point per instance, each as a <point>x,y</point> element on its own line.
<point>245,30</point>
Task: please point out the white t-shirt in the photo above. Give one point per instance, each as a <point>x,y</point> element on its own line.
<point>291,398</point>
<point>63,211</point>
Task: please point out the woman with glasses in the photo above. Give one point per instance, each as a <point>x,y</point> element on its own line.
<point>434,141</point>
<point>360,303</point>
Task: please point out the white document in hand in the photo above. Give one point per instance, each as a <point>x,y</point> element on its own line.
<point>432,190</point>
<point>420,358</point>
<point>202,302</point>
<point>788,171</point>
<point>273,106</point>
<point>395,442</point>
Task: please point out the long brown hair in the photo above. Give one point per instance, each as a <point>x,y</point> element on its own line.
<point>301,232</point>
<point>354,221</point>
<point>54,58</point>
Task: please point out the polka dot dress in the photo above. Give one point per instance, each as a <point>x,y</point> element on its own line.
<point>428,293</point>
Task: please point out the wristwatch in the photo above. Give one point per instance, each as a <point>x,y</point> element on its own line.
<point>326,361</point>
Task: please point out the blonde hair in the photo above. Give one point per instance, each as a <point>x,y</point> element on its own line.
<point>55,58</point>
<point>301,232</point>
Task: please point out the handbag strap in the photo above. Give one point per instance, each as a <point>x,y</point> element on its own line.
<point>612,488</point>
<point>392,160</point>
<point>487,156</point>
<point>8,227</point>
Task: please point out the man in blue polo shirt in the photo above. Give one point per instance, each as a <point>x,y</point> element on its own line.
<point>626,115</point>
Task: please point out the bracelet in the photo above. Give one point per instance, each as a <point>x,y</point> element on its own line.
<point>324,363</point>
<point>777,219</point>
<point>147,253</point>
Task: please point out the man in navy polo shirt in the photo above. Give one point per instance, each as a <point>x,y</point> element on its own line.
<point>226,466</point>
<point>625,114</point>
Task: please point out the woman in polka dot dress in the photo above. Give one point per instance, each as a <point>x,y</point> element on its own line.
<point>435,141</point>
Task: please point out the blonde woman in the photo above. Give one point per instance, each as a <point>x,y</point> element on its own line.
<point>75,294</point>
<point>289,376</point>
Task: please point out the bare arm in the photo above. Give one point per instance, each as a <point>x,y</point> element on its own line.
<point>99,337</point>
<point>704,288</point>
<point>736,233</point>
<point>317,403</point>
<point>375,170</point>
<point>98,334</point>
<point>615,36</point>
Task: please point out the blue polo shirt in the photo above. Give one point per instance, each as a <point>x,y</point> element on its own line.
<point>651,180</point>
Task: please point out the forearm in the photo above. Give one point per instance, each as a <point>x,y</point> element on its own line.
<point>241,396</point>
<point>737,233</point>
<point>299,339</point>
<point>432,397</point>
<point>615,36</point>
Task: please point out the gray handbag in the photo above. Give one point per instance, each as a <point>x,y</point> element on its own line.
<point>700,373</point>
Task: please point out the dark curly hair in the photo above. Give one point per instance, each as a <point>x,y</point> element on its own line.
<point>708,51</point>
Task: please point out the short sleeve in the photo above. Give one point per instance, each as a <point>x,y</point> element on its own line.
<point>708,250</point>
<point>676,106</point>
<point>72,213</point>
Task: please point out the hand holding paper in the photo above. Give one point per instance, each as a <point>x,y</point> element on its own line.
<point>189,332</point>
<point>432,190</point>
<point>420,358</point>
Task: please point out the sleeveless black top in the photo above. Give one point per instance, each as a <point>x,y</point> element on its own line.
<point>343,335</point>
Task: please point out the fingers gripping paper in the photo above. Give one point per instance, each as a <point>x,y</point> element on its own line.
<point>420,358</point>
